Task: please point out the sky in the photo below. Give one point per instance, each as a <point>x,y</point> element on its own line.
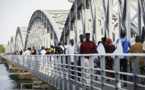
<point>14,13</point>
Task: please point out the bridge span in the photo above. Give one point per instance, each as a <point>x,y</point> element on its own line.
<point>98,17</point>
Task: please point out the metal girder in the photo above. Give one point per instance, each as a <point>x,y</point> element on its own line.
<point>98,17</point>
<point>105,18</point>
<point>45,28</point>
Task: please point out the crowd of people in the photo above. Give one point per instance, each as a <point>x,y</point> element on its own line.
<point>89,47</point>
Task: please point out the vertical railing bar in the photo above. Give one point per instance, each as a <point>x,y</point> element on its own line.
<point>103,73</point>
<point>59,77</point>
<point>91,62</point>
<point>55,70</point>
<point>75,73</point>
<point>117,75</point>
<point>63,79</point>
<point>82,73</point>
<point>69,84</point>
<point>135,72</point>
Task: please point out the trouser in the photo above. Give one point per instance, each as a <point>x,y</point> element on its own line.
<point>123,67</point>
<point>86,61</point>
<point>79,69</point>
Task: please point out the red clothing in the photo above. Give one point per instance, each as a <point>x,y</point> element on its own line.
<point>111,48</point>
<point>87,48</point>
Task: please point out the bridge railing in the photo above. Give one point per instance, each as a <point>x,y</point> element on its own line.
<point>58,71</point>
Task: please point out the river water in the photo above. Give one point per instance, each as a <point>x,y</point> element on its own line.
<point>8,83</point>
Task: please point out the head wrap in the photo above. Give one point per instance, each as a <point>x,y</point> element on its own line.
<point>109,40</point>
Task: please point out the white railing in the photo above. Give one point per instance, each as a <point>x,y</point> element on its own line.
<point>57,71</point>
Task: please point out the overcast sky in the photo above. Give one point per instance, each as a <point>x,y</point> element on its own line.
<point>14,13</point>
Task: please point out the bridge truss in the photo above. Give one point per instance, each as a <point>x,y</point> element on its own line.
<point>104,18</point>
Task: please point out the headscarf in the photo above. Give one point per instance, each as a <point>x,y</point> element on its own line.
<point>108,40</point>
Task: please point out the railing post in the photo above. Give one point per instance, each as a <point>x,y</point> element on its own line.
<point>91,62</point>
<point>75,73</point>
<point>37,66</point>
<point>18,60</point>
<point>55,70</point>
<point>135,72</point>
<point>34,64</point>
<point>23,61</point>
<point>41,69</point>
<point>64,67</point>
<point>27,63</point>
<point>69,72</point>
<point>59,74</point>
<point>49,69</point>
<point>117,75</point>
<point>44,68</point>
<point>103,73</point>
<point>30,63</point>
<point>83,73</point>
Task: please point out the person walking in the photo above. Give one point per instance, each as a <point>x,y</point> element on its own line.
<point>78,44</point>
<point>87,47</point>
<point>70,50</point>
<point>47,51</point>
<point>24,52</point>
<point>123,62</point>
<point>106,46</point>
<point>28,52</point>
<point>58,49</point>
<point>109,60</point>
<point>52,49</point>
<point>137,48</point>
<point>33,51</point>
<point>65,47</point>
<point>43,52</point>
<point>21,52</point>
<point>77,51</point>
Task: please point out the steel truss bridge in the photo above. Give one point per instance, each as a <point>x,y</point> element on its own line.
<point>98,17</point>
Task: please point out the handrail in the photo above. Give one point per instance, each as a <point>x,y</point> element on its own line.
<point>57,70</point>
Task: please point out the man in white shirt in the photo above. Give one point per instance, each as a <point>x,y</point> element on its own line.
<point>77,45</point>
<point>28,52</point>
<point>43,52</point>
<point>61,47</point>
<point>77,51</point>
<point>70,50</point>
<point>24,52</point>
<point>65,47</point>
